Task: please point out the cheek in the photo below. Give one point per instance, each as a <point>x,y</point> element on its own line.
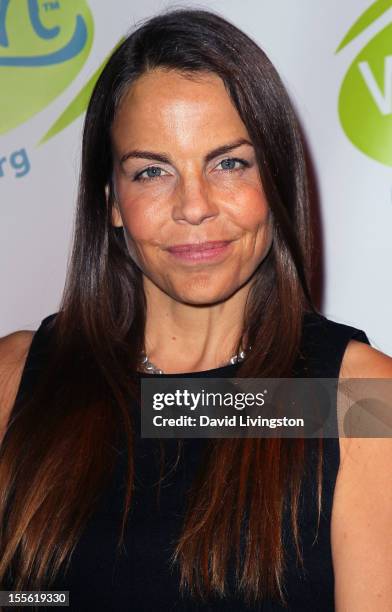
<point>142,217</point>
<point>139,211</point>
<point>144,222</point>
<point>250,209</point>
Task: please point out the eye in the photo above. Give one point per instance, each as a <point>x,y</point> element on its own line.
<point>149,173</point>
<point>233,163</point>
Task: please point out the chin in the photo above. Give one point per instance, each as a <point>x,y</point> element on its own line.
<point>199,293</point>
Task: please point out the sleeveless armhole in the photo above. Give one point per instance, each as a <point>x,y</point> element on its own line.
<point>35,362</point>
<point>322,349</point>
<point>323,346</point>
<point>348,333</point>
<point>321,352</point>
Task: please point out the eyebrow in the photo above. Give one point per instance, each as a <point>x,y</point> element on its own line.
<point>165,159</point>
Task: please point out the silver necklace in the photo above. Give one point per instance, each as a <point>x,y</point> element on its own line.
<point>151,368</point>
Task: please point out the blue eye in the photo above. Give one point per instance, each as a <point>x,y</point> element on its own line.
<point>230,163</point>
<point>151,172</point>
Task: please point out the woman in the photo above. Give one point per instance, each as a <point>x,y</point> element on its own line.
<point>192,243</point>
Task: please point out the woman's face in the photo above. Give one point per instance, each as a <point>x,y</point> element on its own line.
<point>187,187</point>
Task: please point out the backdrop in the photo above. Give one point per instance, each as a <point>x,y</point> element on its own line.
<point>336,61</point>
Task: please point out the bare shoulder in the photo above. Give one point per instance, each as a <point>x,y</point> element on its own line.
<point>363,361</point>
<point>361,525</point>
<point>13,352</point>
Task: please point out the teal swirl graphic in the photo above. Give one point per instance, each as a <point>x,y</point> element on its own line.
<point>43,46</point>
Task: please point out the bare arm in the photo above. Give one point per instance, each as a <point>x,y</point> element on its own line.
<point>361,527</point>
<point>13,353</point>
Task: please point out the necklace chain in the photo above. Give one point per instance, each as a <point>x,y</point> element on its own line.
<point>151,368</point>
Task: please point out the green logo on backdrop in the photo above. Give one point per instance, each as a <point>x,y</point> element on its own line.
<point>43,46</point>
<point>365,100</point>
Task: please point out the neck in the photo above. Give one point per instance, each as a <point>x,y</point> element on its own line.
<point>189,338</point>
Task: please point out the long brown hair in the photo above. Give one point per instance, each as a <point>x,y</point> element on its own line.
<point>57,453</point>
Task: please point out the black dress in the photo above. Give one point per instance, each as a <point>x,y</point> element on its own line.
<point>140,579</point>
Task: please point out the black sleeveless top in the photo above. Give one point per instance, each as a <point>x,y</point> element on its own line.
<point>140,578</point>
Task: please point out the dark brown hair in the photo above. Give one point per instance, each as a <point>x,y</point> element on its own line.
<point>57,453</point>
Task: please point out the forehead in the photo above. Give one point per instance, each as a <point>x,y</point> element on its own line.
<point>168,105</point>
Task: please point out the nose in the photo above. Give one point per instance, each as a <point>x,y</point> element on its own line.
<point>194,202</point>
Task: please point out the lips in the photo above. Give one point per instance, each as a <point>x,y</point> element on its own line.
<point>198,247</point>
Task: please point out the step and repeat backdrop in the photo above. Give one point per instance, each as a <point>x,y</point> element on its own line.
<point>336,61</point>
